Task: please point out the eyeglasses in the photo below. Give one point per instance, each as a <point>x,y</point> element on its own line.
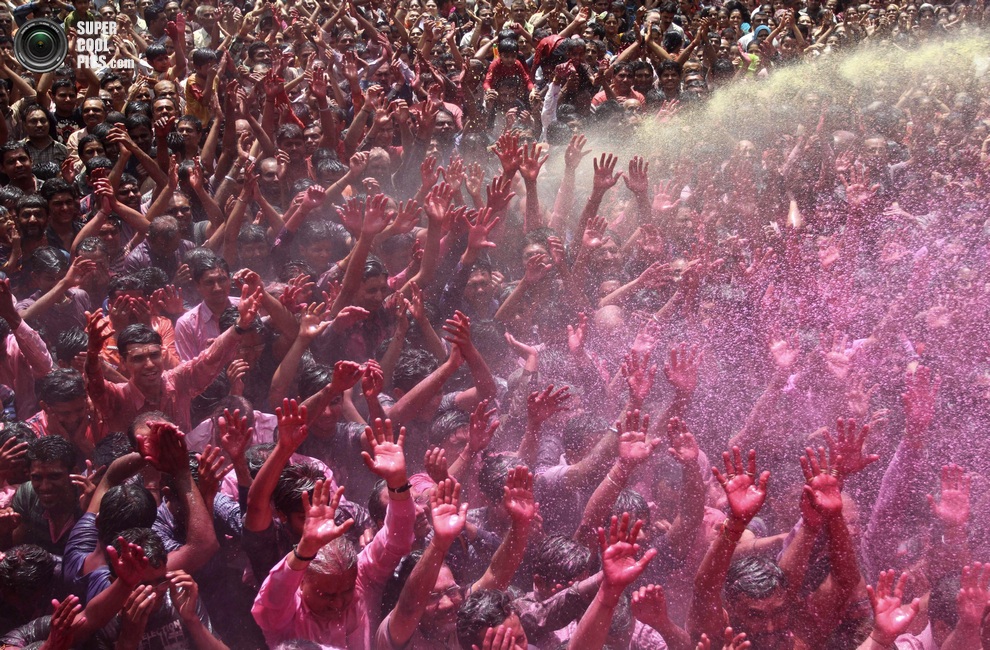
<point>450,592</point>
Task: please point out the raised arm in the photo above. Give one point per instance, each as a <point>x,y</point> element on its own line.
<point>522,508</point>
<point>292,431</point>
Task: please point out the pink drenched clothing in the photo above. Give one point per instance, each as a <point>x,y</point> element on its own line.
<point>228,485</point>
<point>499,70</point>
<point>27,359</point>
<point>205,433</point>
<point>119,404</point>
<point>282,615</point>
<point>196,328</point>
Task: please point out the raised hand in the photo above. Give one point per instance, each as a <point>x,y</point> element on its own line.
<point>348,317</point>
<point>211,471</point>
<point>638,180</point>
<point>386,459</point>
<point>531,162</point>
<point>732,641</point>
<point>320,528</point>
<point>507,150</point>
<point>375,215</point>
<point>576,334</point>
<point>135,614</point>
<point>682,368</point>
<point>518,498</point>
<point>480,229</point>
<point>185,594</point>
<point>235,434</point>
<point>372,380</point>
<point>247,308</point>
<point>292,419</point>
<point>974,595</point>
<point>649,606</point>
<point>605,176</point>
<point>447,512</point>
<point>890,617</point>
<point>311,323</point>
<point>846,449</point>
<point>639,375</point>
<point>634,443</point>
<point>952,506</point>
<point>98,329</point>
<point>483,426</point>
<point>822,489</point>
<point>619,548</point>
<point>67,621</point>
<point>575,152</point>
<point>436,464</point>
<point>543,405</point>
<point>499,193</point>
<point>743,492</point>
<point>129,565</point>
<point>458,332</point>
<point>683,447</point>
<point>497,638</point>
<point>165,448</point>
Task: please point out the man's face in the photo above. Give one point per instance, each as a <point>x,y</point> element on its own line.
<point>37,125</point>
<point>875,152</point>
<point>269,176</point>
<point>17,165</point>
<point>142,137</point>
<point>92,150</point>
<point>312,135</point>
<point>166,89</point>
<point>295,147</point>
<point>65,100</point>
<point>69,415</point>
<point>4,97</point>
<point>765,621</point>
<point>180,208</point>
<point>214,286</point>
<point>162,108</point>
<point>445,128</point>
<point>262,55</point>
<point>440,616</point>
<point>63,209</point>
<point>110,236</point>
<point>372,293</point>
<point>32,223</point>
<point>479,287</point>
<point>164,245</point>
<point>144,364</point>
<point>118,94</point>
<point>189,133</point>
<point>328,597</point>
<point>52,484</point>
<point>93,112</point>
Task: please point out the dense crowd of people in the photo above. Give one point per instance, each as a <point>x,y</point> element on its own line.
<point>408,324</point>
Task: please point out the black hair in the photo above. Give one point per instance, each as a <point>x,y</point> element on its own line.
<point>136,334</point>
<point>91,245</point>
<point>753,577</point>
<point>287,131</point>
<point>46,259</point>
<point>583,430</point>
<point>53,449</point>
<point>560,560</point>
<point>63,83</point>
<point>295,480</point>
<point>508,46</point>
<point>413,366</point>
<point>152,277</point>
<point>203,265</point>
<point>108,78</point>
<point>319,230</point>
<point>148,540</point>
<point>124,507</point>
<point>256,455</point>
<point>377,506</point>
<point>31,201</point>
<point>27,569</point>
<point>11,146</point>
<point>632,502</point>
<point>446,424</point>
<point>313,378</point>
<point>70,344</point>
<point>61,385</point>
<point>494,473</point>
<point>55,186</point>
<point>110,448</point>
<point>135,108</point>
<point>154,51</point>
<point>85,140</point>
<point>19,431</point>
<point>121,283</point>
<point>45,170</point>
<point>481,610</point>
<point>203,55</point>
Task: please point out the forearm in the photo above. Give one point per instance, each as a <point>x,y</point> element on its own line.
<point>593,628</point>
<point>692,511</point>
<point>707,614</point>
<point>419,395</point>
<point>352,276</point>
<point>201,538</point>
<point>600,504</point>
<point>259,510</point>
<point>415,594</point>
<point>45,302</point>
<point>534,217</point>
<point>593,467</point>
<point>506,560</point>
<point>564,202</point>
<point>431,340</point>
<point>484,382</point>
<point>286,372</point>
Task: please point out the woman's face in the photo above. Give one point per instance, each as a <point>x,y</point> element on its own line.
<point>735,18</point>
<point>92,150</point>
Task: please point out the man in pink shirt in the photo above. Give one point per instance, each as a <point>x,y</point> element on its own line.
<point>200,325</point>
<point>324,591</point>
<point>149,388</point>
<point>24,356</point>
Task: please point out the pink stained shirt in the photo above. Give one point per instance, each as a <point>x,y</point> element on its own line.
<point>119,404</point>
<point>27,359</point>
<point>196,328</point>
<point>282,615</point>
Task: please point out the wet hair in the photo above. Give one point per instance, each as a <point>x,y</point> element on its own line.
<point>481,610</point>
<point>53,449</point>
<point>154,50</point>
<point>288,131</point>
<point>313,379</point>
<point>10,146</point>
<point>377,506</point>
<point>70,344</point>
<point>297,644</point>
<point>63,83</point>
<point>560,560</point>
<point>61,385</point>
<point>413,366</point>
<point>252,234</point>
<point>508,46</point>
<point>148,540</point>
<point>136,334</point>
<point>754,577</point>
<point>46,170</point>
<point>54,186</point>
<point>318,230</point>
<point>26,569</point>
<point>111,448</point>
<point>295,480</point>
<point>46,259</point>
<point>124,507</point>
<point>446,424</point>
<point>135,109</point>
<point>256,455</point>
<point>374,268</point>
<point>395,583</point>
<point>11,193</point>
<point>494,473</point>
<point>121,283</point>
<point>31,201</point>
<point>632,502</point>
<point>203,265</point>
<point>92,245</point>
<point>335,559</point>
<point>583,430</point>
<point>152,277</point>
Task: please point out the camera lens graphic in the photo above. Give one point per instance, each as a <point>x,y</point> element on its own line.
<point>41,45</point>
